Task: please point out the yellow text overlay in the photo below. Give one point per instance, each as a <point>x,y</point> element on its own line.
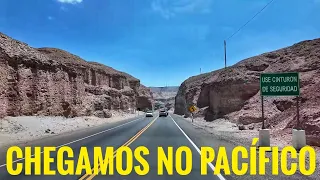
<point>124,161</point>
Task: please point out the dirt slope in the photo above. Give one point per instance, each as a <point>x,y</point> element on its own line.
<point>49,81</point>
<point>234,93</point>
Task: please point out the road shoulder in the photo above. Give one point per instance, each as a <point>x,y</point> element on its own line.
<point>65,137</point>
<point>203,138</point>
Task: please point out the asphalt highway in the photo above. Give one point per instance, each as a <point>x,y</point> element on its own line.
<point>151,132</point>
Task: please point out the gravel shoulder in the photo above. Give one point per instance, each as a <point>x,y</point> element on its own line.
<point>230,132</point>
<point>17,130</point>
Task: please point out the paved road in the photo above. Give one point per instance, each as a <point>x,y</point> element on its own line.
<point>171,131</point>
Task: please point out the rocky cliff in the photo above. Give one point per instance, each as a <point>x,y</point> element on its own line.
<point>144,100</point>
<point>234,92</point>
<point>164,96</point>
<point>48,81</point>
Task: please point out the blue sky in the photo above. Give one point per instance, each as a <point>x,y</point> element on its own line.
<point>161,42</point>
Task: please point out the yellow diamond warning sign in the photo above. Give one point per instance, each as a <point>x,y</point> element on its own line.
<point>192,109</point>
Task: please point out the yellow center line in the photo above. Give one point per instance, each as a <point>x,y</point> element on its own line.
<point>125,144</point>
<point>92,170</point>
<point>130,141</point>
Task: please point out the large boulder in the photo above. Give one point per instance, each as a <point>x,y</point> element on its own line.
<point>103,114</point>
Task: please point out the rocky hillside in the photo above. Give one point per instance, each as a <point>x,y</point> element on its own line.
<point>164,92</point>
<point>164,96</point>
<point>48,81</point>
<point>234,92</point>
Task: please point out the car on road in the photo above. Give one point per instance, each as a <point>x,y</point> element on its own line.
<point>163,113</point>
<point>149,114</point>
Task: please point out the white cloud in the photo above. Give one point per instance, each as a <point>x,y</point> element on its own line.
<point>70,1</point>
<point>62,8</point>
<point>50,18</point>
<point>170,8</point>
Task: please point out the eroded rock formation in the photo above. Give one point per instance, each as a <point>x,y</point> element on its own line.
<point>234,92</point>
<point>50,81</point>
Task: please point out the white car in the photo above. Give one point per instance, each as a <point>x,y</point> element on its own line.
<point>163,113</point>
<point>149,114</point>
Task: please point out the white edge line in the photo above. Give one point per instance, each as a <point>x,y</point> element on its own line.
<point>196,147</point>
<point>79,139</point>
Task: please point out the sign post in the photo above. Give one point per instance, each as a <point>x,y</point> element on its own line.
<point>281,84</point>
<point>192,109</point>
<point>262,116</point>
<point>225,54</point>
<point>298,120</point>
<point>138,111</point>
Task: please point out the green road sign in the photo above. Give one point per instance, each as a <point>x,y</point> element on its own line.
<point>280,84</point>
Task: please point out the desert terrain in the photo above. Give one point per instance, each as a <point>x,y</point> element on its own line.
<point>231,97</point>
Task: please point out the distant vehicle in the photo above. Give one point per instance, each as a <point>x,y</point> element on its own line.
<point>163,113</point>
<point>149,114</point>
